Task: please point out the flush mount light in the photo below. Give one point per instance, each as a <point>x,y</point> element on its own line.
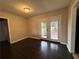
<point>27,9</point>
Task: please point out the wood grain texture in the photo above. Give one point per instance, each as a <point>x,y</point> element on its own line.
<point>34,49</point>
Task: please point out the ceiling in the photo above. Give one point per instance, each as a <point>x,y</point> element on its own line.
<point>37,6</point>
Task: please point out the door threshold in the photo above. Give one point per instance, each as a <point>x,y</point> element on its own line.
<point>50,41</point>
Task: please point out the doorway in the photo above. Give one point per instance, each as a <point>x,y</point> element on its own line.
<point>4,32</point>
<point>49,29</point>
<point>77,33</point>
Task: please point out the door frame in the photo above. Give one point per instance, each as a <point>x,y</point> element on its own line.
<point>48,28</point>
<point>59,27</point>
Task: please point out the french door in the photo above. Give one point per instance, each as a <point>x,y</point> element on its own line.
<point>53,30</point>
<point>49,29</point>
<point>44,29</point>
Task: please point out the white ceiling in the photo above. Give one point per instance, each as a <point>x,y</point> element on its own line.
<point>37,6</point>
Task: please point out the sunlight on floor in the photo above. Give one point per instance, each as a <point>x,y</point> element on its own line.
<point>76,56</point>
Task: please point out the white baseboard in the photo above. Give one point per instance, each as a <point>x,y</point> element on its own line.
<point>63,43</point>
<point>12,42</point>
<point>35,37</point>
<point>15,41</point>
<point>68,48</point>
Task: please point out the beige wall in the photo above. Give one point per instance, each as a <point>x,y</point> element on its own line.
<point>17,26</point>
<point>34,23</point>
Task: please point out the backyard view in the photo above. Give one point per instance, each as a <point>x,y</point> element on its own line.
<point>43,29</point>
<point>54,30</point>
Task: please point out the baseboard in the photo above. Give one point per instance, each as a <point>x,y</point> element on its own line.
<point>63,43</point>
<point>68,49</point>
<point>34,37</point>
<point>47,39</point>
<point>12,42</point>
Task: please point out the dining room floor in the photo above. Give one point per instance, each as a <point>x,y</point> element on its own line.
<point>34,49</point>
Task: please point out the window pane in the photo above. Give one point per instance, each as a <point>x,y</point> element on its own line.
<point>54,30</point>
<point>43,29</point>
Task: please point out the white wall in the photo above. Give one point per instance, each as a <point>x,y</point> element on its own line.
<point>17,26</point>
<point>72,26</point>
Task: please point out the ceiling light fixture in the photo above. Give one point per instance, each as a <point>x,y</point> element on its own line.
<point>27,9</point>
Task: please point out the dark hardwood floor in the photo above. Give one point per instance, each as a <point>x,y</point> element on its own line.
<point>34,49</point>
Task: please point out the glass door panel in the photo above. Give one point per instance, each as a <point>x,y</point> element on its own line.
<point>44,29</point>
<point>54,30</point>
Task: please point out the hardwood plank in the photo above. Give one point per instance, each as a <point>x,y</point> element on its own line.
<point>34,49</point>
